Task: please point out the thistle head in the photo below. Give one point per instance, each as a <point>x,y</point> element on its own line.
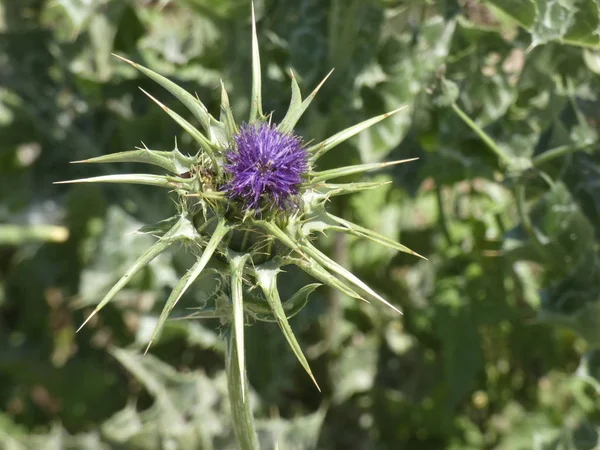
<point>250,202</point>
<point>265,168</point>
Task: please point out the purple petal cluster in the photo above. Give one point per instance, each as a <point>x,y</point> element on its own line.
<point>266,167</point>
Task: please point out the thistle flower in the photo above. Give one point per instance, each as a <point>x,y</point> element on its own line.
<point>266,168</point>
<point>250,201</point>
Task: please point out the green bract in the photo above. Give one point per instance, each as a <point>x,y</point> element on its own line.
<point>249,251</point>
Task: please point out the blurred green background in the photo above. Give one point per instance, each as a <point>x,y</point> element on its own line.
<point>497,348</point>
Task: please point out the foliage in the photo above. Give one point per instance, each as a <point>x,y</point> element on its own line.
<point>498,345</point>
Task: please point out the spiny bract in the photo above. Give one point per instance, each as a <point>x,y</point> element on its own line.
<point>250,202</point>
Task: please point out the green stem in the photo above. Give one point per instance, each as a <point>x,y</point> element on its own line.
<point>482,134</point>
<point>17,234</point>
<point>558,152</point>
<point>519,192</point>
<point>239,399</point>
<point>443,218</point>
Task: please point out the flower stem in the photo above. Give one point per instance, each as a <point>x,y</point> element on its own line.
<point>557,152</point>
<point>482,134</point>
<point>239,399</point>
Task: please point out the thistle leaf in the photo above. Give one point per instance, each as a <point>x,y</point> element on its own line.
<point>237,262</point>
<point>260,310</point>
<point>267,279</point>
<point>256,100</point>
<point>204,143</point>
<point>153,373</point>
<point>227,114</point>
<point>297,107</point>
<point>182,230</point>
<point>191,275</point>
<point>195,106</point>
<point>135,178</point>
<point>278,233</point>
<point>344,273</point>
<point>351,170</point>
<point>209,312</point>
<point>173,161</point>
<point>320,149</point>
<point>328,190</point>
<point>357,230</point>
<point>316,270</point>
<point>295,102</point>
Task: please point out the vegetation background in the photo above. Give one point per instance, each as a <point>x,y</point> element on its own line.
<point>497,348</point>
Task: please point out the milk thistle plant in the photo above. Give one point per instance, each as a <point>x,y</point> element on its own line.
<point>249,203</point>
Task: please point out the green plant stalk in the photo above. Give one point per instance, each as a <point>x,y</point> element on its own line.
<point>557,152</point>
<point>482,134</point>
<point>443,219</point>
<point>241,412</point>
<point>17,234</point>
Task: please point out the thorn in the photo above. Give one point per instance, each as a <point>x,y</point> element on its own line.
<point>126,60</point>
<point>155,100</point>
<point>314,92</point>
<point>391,113</point>
<point>87,320</point>
<point>400,161</point>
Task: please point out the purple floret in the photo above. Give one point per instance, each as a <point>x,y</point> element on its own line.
<point>266,167</point>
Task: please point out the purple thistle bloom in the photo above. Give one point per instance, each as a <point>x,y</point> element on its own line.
<point>266,167</point>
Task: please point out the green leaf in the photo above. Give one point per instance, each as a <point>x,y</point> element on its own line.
<point>357,230</point>
<point>191,275</point>
<point>455,324</point>
<point>296,100</point>
<point>172,161</point>
<point>278,233</point>
<point>135,178</point>
<point>573,22</point>
<point>320,149</point>
<point>204,143</point>
<point>297,106</point>
<point>346,274</point>
<point>182,230</point>
<point>195,106</point>
<point>554,18</point>
<point>227,114</point>
<point>260,310</point>
<point>151,380</point>
<point>317,177</point>
<point>267,279</point>
<point>316,270</point>
<point>78,11</point>
<point>585,25</point>
<point>256,112</point>
<point>328,190</point>
<point>523,11</point>
<point>592,60</point>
